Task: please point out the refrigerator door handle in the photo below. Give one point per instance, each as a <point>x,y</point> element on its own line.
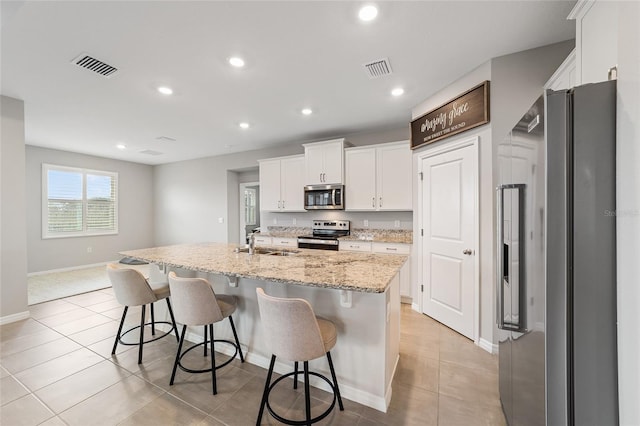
<point>499,257</point>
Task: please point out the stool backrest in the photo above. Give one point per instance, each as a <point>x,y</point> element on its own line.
<point>290,327</point>
<point>130,286</point>
<point>194,301</point>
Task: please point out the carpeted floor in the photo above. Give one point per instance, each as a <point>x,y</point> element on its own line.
<point>57,285</point>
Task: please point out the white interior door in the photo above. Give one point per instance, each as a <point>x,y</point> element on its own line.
<point>449,211</point>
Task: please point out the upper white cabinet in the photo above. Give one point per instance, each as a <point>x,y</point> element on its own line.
<point>324,162</point>
<point>565,76</point>
<point>378,177</point>
<point>281,188</point>
<point>596,39</point>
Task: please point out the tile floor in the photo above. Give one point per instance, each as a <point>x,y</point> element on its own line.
<point>56,368</point>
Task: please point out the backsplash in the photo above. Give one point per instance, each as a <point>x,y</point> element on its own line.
<point>359,220</point>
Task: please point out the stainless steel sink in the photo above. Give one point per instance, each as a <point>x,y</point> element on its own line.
<point>267,251</point>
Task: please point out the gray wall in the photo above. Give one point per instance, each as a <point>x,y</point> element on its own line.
<point>135,212</point>
<point>13,243</point>
<point>516,82</point>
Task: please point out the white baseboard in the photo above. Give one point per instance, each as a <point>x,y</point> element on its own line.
<point>379,403</point>
<point>406,299</point>
<point>7,319</point>
<point>416,307</point>
<point>488,346</point>
<point>71,268</point>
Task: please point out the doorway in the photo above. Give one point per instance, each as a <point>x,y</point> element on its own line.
<point>249,209</point>
<point>448,200</point>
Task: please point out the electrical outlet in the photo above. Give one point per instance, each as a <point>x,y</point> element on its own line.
<point>221,220</point>
<point>89,249</point>
<point>397,224</point>
<point>365,223</point>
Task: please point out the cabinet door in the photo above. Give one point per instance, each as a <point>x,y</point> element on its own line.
<point>360,179</point>
<point>355,246</point>
<point>270,185</point>
<point>394,178</point>
<point>333,163</point>
<point>314,164</point>
<point>285,242</point>
<point>292,188</point>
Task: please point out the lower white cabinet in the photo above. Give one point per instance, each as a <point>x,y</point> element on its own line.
<point>284,242</point>
<point>262,240</point>
<point>387,248</point>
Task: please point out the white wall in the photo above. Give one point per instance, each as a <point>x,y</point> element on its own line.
<point>628,208</point>
<point>135,212</point>
<point>13,242</point>
<point>516,82</point>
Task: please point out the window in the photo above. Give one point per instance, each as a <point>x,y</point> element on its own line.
<point>78,202</point>
<point>250,206</point>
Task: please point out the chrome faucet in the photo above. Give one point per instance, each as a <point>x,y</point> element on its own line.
<point>252,243</point>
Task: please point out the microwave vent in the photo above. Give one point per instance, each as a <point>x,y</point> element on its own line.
<point>378,68</point>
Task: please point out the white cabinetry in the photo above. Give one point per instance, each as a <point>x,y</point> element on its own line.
<point>565,76</point>
<point>378,177</point>
<point>262,240</point>
<point>386,248</point>
<point>281,188</point>
<point>324,162</point>
<point>596,39</point>
<point>284,242</point>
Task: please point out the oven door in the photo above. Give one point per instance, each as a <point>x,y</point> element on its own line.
<point>313,243</point>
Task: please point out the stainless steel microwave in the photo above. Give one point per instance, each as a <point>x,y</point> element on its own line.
<point>324,197</point>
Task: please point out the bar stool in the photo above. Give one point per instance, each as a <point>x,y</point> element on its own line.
<point>197,304</point>
<point>296,334</point>
<point>132,289</point>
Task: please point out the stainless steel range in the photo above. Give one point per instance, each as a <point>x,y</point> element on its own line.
<point>325,234</point>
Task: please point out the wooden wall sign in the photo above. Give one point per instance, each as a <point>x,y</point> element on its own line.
<point>469,110</point>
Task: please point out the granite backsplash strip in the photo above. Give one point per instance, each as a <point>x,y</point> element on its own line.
<point>381,235</point>
<point>286,231</point>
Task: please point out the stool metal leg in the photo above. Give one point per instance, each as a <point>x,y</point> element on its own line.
<point>295,375</point>
<point>307,394</point>
<point>335,381</point>
<point>235,335</point>
<point>205,340</point>
<point>141,335</point>
<point>115,344</point>
<point>175,364</point>
<point>173,320</point>
<point>153,321</point>
<point>213,361</point>
<point>265,394</point>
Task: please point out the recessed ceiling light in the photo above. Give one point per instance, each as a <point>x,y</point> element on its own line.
<point>236,62</point>
<point>121,146</point>
<point>165,90</point>
<point>368,13</point>
<point>397,91</point>
<point>244,125</point>
<point>307,111</point>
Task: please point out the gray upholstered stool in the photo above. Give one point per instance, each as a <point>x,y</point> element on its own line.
<point>196,304</point>
<point>132,289</point>
<point>296,334</point>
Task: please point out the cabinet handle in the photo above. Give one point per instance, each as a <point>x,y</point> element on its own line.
<point>355,246</point>
<point>391,249</point>
<point>283,204</point>
<point>373,202</point>
<point>380,201</point>
<point>280,204</point>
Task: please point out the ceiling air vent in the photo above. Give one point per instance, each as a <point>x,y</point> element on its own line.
<point>95,65</point>
<point>165,139</point>
<point>151,152</point>
<point>378,68</point>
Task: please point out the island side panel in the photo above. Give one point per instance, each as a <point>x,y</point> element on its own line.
<point>392,331</point>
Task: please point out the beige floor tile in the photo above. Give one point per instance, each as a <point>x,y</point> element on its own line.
<point>37,355</point>
<point>469,384</point>
<point>409,406</point>
<point>335,417</point>
<point>65,317</point>
<point>53,421</point>
<point>77,387</point>
<point>455,348</point>
<point>417,371</point>
<point>49,372</point>
<point>104,347</point>
<point>105,306</point>
<point>42,310</point>
<point>20,329</point>
<point>22,343</point>
<point>10,390</point>
<point>165,410</point>
<point>95,334</point>
<point>88,299</point>
<point>453,412</point>
<point>122,399</point>
<point>3,372</point>
<point>211,421</point>
<point>27,411</point>
<point>151,352</point>
<point>79,325</point>
<point>367,422</point>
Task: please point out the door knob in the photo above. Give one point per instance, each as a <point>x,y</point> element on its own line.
<point>468,252</point>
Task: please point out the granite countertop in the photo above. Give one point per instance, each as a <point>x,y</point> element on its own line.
<point>343,270</point>
<point>400,236</point>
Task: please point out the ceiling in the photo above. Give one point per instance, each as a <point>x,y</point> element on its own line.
<point>298,54</point>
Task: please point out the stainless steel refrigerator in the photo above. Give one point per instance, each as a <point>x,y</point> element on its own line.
<point>556,241</point>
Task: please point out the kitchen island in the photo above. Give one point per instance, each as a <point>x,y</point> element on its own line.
<point>359,292</point>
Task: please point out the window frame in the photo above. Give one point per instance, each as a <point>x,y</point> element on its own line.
<point>46,234</point>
